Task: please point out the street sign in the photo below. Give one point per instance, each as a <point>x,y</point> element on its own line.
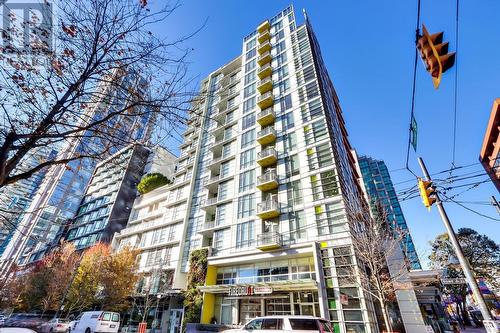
<point>447,281</point>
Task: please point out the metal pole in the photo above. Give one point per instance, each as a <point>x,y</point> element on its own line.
<point>458,251</point>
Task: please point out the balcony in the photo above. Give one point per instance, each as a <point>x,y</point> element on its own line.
<point>264,36</point>
<point>266,136</point>
<point>268,209</point>
<point>266,117</point>
<point>266,100</point>
<point>265,85</point>
<point>213,183</point>
<point>264,71</point>
<point>209,204</point>
<point>264,58</point>
<point>269,241</point>
<point>268,181</point>
<point>264,26</point>
<point>267,157</point>
<point>264,47</point>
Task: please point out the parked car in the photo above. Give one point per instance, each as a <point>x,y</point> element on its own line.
<point>96,322</point>
<point>285,324</point>
<point>26,320</point>
<point>55,325</point>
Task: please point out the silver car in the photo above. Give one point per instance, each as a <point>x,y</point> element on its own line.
<point>56,325</point>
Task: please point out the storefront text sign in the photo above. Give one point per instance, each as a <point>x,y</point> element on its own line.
<point>249,291</point>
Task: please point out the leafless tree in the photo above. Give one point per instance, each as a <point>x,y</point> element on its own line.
<point>106,75</point>
<point>377,245</point>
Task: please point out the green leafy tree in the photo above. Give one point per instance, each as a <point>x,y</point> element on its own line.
<point>483,255</point>
<point>152,181</point>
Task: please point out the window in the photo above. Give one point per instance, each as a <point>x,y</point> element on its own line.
<point>244,234</point>
<point>284,86</point>
<point>106,316</point>
<point>248,138</point>
<point>250,77</point>
<point>255,324</point>
<point>292,165</point>
<point>231,102</point>
<point>250,65</point>
<point>272,324</point>
<point>249,104</point>
<point>304,324</point>
<point>246,206</point>
<point>290,141</point>
<point>220,214</point>
<point>251,44</point>
<point>225,168</point>
<point>247,180</point>
<point>115,317</point>
<point>248,121</point>
<point>223,190</point>
<point>319,156</point>
<point>312,110</point>
<point>282,72</point>
<point>247,158</point>
<point>287,121</point>
<point>298,225</point>
<point>315,132</point>
<point>294,193</point>
<point>279,47</point>
<point>249,90</point>
<point>251,53</point>
<point>324,185</point>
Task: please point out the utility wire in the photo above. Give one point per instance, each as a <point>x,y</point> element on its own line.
<point>412,113</point>
<point>456,89</point>
<point>469,209</point>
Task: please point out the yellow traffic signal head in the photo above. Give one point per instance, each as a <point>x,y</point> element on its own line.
<point>434,54</point>
<point>427,192</point>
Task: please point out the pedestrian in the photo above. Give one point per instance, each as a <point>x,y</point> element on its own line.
<point>454,326</point>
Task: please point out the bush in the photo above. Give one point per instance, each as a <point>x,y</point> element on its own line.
<point>152,181</point>
<point>193,297</point>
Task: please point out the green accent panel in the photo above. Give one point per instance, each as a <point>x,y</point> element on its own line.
<point>329,283</point>
<point>332,305</point>
<point>336,328</point>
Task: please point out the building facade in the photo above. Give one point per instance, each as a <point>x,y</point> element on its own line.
<point>15,198</point>
<point>108,199</point>
<point>155,229</point>
<point>490,151</point>
<point>59,195</point>
<point>273,186</point>
<point>381,191</point>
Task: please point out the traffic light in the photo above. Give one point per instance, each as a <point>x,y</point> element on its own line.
<point>427,192</point>
<point>435,54</point>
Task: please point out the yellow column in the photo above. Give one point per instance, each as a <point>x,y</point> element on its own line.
<point>208,306</point>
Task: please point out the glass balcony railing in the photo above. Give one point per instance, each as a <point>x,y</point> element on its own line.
<point>267,157</point>
<point>269,241</point>
<point>267,135</point>
<point>268,209</point>
<point>265,100</point>
<point>267,181</point>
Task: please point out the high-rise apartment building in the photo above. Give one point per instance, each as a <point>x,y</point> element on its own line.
<point>108,199</point>
<point>60,193</point>
<point>155,230</point>
<point>15,198</point>
<point>381,192</point>
<point>273,186</point>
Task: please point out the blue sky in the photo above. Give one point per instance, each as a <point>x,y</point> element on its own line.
<point>368,48</point>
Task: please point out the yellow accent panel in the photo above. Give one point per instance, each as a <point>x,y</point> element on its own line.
<point>323,244</point>
<point>208,308</point>
<point>318,209</point>
<point>211,278</point>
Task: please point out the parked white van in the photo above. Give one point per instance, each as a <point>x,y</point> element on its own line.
<point>96,322</point>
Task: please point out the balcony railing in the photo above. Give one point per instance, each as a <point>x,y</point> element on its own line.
<point>263,36</point>
<point>265,85</point>
<point>267,157</point>
<point>265,100</point>
<point>264,58</point>
<point>266,117</point>
<point>267,135</point>
<point>264,26</point>
<point>269,241</point>
<point>264,71</point>
<point>268,209</point>
<point>264,47</point>
<point>267,177</point>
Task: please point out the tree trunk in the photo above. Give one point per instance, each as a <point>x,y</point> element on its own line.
<point>383,308</point>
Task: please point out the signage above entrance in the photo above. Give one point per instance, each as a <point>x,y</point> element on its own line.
<point>249,290</point>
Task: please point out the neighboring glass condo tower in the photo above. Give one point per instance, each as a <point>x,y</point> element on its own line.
<point>272,177</point>
<point>381,191</point>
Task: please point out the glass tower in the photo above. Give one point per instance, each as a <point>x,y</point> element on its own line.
<point>381,192</point>
<point>273,185</point>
